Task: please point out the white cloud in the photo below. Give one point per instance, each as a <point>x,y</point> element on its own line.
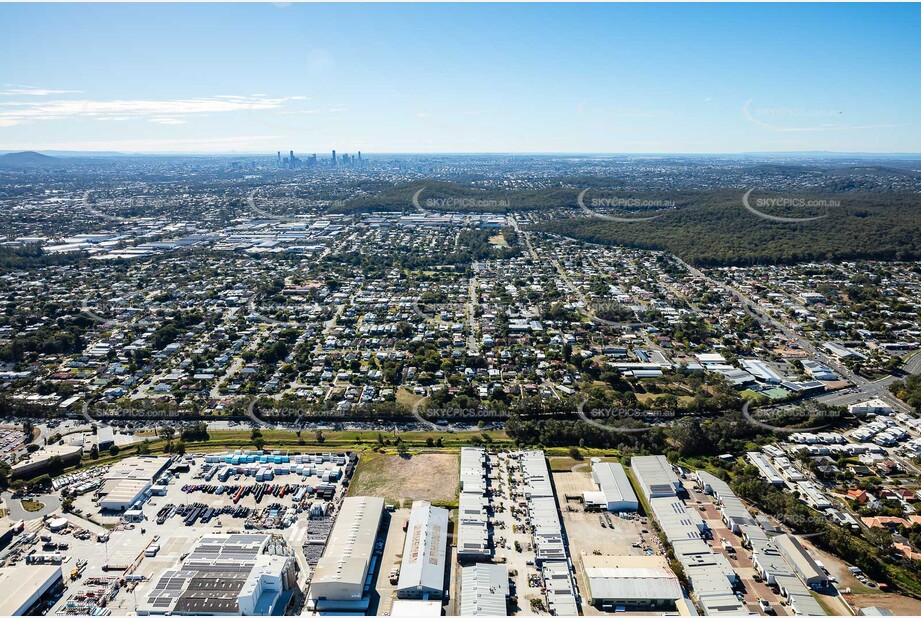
<point>24,112</point>
<point>159,120</point>
<point>28,91</point>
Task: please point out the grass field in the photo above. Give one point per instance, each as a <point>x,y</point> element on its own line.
<point>426,476</point>
<point>565,464</point>
<point>32,506</point>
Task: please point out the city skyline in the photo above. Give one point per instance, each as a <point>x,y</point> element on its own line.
<point>591,79</point>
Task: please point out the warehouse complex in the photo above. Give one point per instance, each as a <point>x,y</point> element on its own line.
<point>635,583</point>
<point>550,552</point>
<point>780,560</point>
<point>24,587</point>
<point>709,572</point>
<point>126,481</point>
<point>484,590</point>
<point>341,580</point>
<point>767,471</point>
<point>422,571</point>
<point>473,502</point>
<point>803,564</point>
<point>45,458</point>
<point>614,490</point>
<point>230,575</point>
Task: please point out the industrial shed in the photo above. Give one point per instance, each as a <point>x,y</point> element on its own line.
<point>638,583</point>
<point>484,590</point>
<point>472,524</point>
<point>422,571</point>
<point>803,564</point>
<point>614,488</point>
<point>655,476</point>
<point>338,581</point>
<point>24,586</point>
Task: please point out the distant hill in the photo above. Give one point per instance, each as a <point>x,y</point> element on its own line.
<point>27,159</point>
<point>713,228</point>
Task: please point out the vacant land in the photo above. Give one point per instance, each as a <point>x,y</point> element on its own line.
<point>898,604</point>
<point>428,476</point>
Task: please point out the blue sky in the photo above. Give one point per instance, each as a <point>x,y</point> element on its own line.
<point>461,77</point>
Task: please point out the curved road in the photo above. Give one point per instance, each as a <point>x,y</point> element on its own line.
<point>52,503</point>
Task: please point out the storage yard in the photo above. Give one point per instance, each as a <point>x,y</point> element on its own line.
<point>170,513</point>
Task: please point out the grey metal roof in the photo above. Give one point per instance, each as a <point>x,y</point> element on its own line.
<point>424,553</point>
<point>484,588</point>
<point>630,578</point>
<point>613,482</point>
<point>655,476</point>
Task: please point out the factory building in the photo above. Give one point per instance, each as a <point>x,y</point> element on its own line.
<point>24,587</point>
<point>547,531</point>
<point>484,590</point>
<point>804,565</point>
<point>472,519</point>
<point>635,583</point>
<point>776,570</point>
<point>422,571</point>
<point>341,580</point>
<point>225,575</point>
<point>655,476</point>
<point>732,511</point>
<point>46,458</point>
<point>768,472</point>
<point>614,490</point>
<point>126,482</point>
<point>561,589</point>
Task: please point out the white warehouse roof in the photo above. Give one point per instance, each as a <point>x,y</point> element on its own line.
<point>423,568</point>
<point>614,484</point>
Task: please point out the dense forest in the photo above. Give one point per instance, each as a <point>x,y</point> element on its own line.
<point>715,229</point>
<point>400,199</point>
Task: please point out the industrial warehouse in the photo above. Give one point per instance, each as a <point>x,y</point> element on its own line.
<point>473,502</point>
<point>127,481</point>
<point>527,537</point>
<point>341,580</point>
<point>637,583</point>
<point>710,573</point>
<point>484,590</point>
<point>422,572</point>
<point>614,490</point>
<point>24,587</point>
<point>236,574</point>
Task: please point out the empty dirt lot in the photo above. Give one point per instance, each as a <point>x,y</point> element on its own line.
<point>429,476</point>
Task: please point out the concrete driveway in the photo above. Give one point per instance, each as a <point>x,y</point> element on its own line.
<point>52,504</point>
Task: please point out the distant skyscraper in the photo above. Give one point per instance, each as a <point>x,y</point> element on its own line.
<point>334,158</point>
